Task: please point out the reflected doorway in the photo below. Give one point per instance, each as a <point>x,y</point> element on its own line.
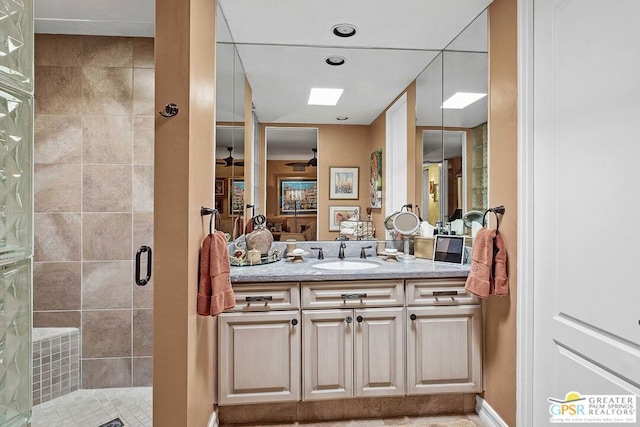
<point>444,174</point>
<point>291,182</point>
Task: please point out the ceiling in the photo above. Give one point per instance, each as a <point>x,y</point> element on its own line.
<point>282,47</point>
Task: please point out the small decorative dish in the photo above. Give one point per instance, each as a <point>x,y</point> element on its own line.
<point>297,255</point>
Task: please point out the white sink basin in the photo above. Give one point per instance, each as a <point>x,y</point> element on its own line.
<point>343,264</point>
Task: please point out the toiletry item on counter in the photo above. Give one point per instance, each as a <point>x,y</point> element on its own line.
<point>426,229</point>
<point>253,256</point>
<point>475,227</point>
<point>260,238</point>
<point>423,247</point>
<point>457,227</point>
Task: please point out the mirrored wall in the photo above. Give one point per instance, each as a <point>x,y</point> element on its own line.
<point>451,126</point>
<point>453,177</point>
<point>230,135</point>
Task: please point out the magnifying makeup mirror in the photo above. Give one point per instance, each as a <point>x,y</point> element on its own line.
<point>406,224</point>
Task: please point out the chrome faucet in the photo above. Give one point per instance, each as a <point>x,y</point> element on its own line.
<point>341,251</point>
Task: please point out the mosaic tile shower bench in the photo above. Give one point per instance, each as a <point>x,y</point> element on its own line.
<point>56,363</point>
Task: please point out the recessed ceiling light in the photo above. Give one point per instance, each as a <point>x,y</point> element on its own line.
<point>324,96</point>
<point>344,30</point>
<point>335,60</point>
<point>461,100</point>
<point>341,118</point>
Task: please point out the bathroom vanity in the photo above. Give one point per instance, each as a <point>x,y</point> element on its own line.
<point>300,333</point>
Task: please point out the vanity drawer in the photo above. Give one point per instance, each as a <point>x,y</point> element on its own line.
<point>439,292</point>
<point>370,293</point>
<point>262,297</point>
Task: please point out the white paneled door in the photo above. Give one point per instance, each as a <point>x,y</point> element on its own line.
<point>583,198</point>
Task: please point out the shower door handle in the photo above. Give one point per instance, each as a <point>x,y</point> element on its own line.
<point>139,281</point>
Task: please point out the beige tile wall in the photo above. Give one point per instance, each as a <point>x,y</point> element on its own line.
<point>94,199</point>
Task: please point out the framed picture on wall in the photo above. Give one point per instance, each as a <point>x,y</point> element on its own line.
<point>297,196</point>
<point>343,183</point>
<point>341,213</point>
<point>375,179</point>
<point>220,187</point>
<point>236,195</point>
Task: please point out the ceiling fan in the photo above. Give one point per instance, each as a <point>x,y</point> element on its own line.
<point>228,161</point>
<point>299,166</point>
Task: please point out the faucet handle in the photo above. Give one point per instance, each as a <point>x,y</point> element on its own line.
<point>320,254</point>
<point>363,253</point>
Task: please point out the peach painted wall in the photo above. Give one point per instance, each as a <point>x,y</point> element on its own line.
<point>500,313</point>
<point>183,386</point>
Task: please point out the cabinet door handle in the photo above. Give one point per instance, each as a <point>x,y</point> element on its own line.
<point>349,319</point>
<point>444,293</point>
<point>294,322</point>
<point>259,298</point>
<point>413,317</point>
<point>359,319</point>
<point>353,296</point>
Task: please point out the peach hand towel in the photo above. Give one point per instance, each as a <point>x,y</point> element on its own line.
<point>500,276</point>
<point>215,293</point>
<point>480,277</point>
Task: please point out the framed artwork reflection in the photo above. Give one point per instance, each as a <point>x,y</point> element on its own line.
<point>236,195</point>
<point>375,179</point>
<point>297,196</point>
<point>343,183</point>
<point>341,213</point>
<point>220,187</point>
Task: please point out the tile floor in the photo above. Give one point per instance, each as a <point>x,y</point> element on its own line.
<point>93,408</point>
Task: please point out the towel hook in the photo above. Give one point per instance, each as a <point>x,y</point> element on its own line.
<point>498,210</point>
<point>170,110</point>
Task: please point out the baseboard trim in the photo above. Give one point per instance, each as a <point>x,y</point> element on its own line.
<point>213,420</point>
<point>487,414</point>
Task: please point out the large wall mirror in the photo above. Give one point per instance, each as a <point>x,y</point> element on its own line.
<point>452,129</point>
<point>229,153</point>
<point>280,73</point>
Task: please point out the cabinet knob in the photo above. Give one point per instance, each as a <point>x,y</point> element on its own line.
<point>359,319</point>
<point>413,317</point>
<point>349,319</point>
<point>294,322</point>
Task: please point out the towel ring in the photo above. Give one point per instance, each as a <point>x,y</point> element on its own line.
<point>213,212</point>
<point>497,210</point>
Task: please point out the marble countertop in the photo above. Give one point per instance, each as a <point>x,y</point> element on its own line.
<point>285,270</point>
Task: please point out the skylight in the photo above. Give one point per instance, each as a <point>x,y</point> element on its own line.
<point>324,96</point>
<point>461,100</point>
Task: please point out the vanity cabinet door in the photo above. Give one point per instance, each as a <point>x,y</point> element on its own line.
<point>379,352</point>
<point>327,354</point>
<point>259,357</point>
<point>444,349</point>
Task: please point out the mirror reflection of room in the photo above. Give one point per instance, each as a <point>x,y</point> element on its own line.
<point>291,182</point>
<point>229,181</point>
<point>453,133</point>
<point>450,181</point>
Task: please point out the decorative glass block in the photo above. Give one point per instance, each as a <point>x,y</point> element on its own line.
<point>15,343</point>
<point>16,192</point>
<point>16,43</point>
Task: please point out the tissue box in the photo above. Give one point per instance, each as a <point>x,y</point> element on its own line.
<point>423,247</point>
